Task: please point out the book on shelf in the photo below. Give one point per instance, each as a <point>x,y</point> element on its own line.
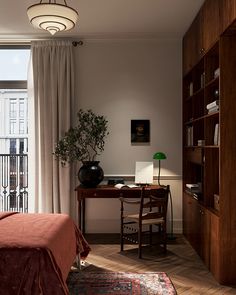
<point>216,73</point>
<point>213,109</point>
<point>122,185</point>
<point>217,202</point>
<point>201,142</point>
<point>213,104</point>
<point>194,187</point>
<point>216,134</point>
<point>189,135</point>
<point>202,79</point>
<point>190,88</point>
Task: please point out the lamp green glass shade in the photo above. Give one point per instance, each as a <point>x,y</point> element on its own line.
<point>159,156</point>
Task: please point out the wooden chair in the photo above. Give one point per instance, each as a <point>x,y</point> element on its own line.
<point>152,211</point>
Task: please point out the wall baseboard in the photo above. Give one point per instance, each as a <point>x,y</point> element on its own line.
<point>132,177</point>
<point>95,226</point>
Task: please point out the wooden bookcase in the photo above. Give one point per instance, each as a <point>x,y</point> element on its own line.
<point>209,161</point>
<point>201,159</point>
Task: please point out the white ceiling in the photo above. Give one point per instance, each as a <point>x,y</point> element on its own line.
<point>106,18</point>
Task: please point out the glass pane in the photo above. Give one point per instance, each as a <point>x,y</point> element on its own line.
<point>13,120</point>
<point>14,64</point>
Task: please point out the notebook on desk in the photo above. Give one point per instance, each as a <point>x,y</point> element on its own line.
<point>144,172</point>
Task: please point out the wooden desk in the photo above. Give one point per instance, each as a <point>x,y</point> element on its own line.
<point>104,191</point>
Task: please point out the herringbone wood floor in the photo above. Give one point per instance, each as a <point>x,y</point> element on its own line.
<point>186,270</point>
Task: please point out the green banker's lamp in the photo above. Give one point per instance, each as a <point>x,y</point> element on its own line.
<point>159,156</point>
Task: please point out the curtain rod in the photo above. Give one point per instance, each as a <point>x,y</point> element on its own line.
<point>20,42</point>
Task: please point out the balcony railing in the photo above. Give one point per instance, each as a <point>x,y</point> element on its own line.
<point>14,182</point>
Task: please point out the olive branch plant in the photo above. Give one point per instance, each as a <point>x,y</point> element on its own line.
<point>84,141</point>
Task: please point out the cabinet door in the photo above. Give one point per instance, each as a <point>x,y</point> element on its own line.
<point>186,215</point>
<point>227,13</point>
<point>210,23</point>
<point>191,221</point>
<point>214,247</point>
<point>205,235</point>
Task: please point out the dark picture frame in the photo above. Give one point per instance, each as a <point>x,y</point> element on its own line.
<point>140,131</point>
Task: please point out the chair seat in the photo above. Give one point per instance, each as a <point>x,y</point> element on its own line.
<point>135,217</point>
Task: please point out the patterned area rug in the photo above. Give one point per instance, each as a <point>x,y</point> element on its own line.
<point>120,283</point>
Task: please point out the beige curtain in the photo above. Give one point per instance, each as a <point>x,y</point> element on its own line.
<point>51,101</point>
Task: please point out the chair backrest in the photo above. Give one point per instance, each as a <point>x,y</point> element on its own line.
<point>157,203</point>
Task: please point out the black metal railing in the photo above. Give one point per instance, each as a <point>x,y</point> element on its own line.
<point>14,182</point>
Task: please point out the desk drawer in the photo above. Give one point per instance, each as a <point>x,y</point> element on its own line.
<point>96,193</point>
<point>110,193</point>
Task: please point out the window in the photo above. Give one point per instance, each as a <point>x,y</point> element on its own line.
<point>13,146</point>
<point>14,63</point>
<point>14,127</point>
<point>21,108</point>
<point>12,108</point>
<point>21,148</point>
<point>21,127</point>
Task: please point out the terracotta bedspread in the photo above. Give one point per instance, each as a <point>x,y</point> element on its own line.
<point>36,253</point>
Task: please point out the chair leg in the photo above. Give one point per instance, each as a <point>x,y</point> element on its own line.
<point>121,227</point>
<point>140,243</point>
<point>121,236</point>
<point>164,238</point>
<point>150,234</point>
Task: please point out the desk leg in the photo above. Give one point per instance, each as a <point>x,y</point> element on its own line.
<point>79,213</point>
<point>83,216</point>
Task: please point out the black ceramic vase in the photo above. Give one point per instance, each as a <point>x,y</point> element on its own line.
<point>90,174</point>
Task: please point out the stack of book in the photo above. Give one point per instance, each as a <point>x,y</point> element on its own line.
<point>213,107</point>
<point>194,188</point>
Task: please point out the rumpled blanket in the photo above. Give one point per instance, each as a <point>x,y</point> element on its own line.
<point>36,253</point>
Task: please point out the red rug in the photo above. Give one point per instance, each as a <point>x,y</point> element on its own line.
<point>120,283</point>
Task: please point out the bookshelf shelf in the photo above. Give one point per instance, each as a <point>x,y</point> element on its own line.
<point>213,114</point>
<point>212,82</point>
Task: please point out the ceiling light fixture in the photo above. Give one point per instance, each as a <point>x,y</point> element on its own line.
<point>52,17</point>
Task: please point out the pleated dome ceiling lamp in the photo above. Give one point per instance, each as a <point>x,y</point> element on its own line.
<point>52,16</point>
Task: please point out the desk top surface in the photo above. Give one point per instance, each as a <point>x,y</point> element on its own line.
<point>113,188</point>
<point>109,191</point>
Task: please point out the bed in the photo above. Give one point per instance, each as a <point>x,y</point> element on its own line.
<point>37,251</point>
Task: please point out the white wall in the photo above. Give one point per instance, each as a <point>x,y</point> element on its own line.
<point>133,79</point>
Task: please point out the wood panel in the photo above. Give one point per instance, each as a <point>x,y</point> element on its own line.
<point>214,246</point>
<point>227,159</point>
<point>191,45</point>
<point>227,13</point>
<point>194,155</point>
<point>192,222</point>
<point>205,235</point>
<point>210,23</point>
<point>211,175</point>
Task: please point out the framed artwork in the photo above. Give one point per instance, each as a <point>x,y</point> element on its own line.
<point>140,131</point>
